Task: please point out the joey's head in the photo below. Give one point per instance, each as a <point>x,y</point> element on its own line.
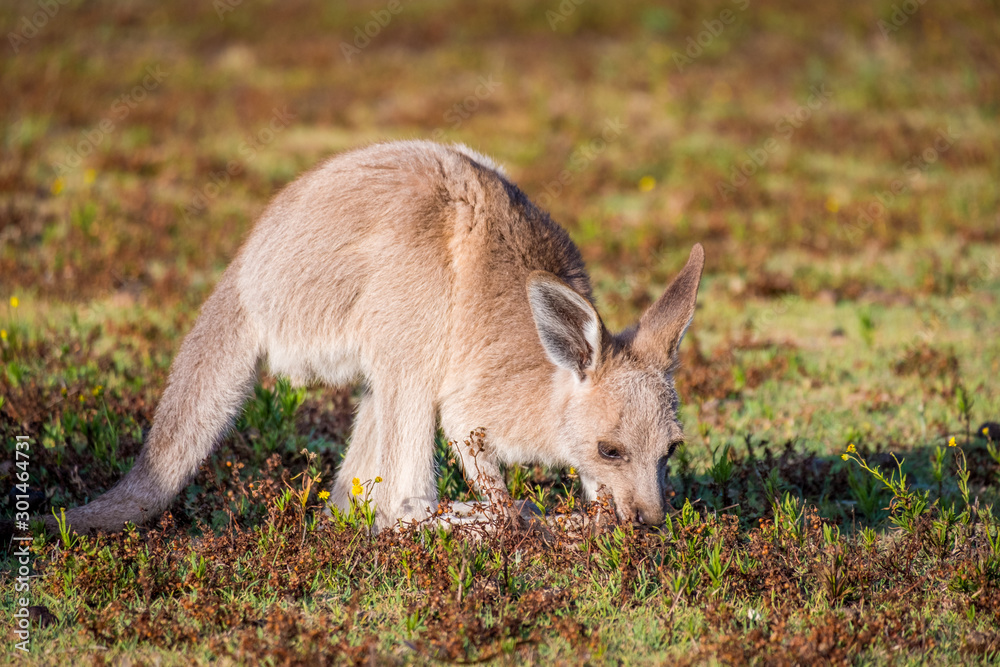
<point>619,425</point>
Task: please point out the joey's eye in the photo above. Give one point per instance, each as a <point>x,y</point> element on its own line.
<point>673,447</point>
<point>609,451</point>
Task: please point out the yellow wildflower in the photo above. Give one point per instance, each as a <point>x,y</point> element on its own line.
<point>952,443</point>
<point>96,391</point>
<point>832,205</point>
<point>3,334</point>
<point>14,302</point>
<point>844,456</point>
<point>851,449</point>
<point>378,480</point>
<point>89,176</point>
<point>986,430</point>
<point>647,183</point>
<point>356,488</point>
<point>323,495</point>
<point>82,399</point>
<point>572,470</point>
<point>57,186</point>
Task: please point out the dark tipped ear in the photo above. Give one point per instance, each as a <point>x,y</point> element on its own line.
<point>662,326</point>
<point>567,324</point>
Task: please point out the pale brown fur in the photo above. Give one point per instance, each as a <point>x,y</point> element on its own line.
<point>422,271</point>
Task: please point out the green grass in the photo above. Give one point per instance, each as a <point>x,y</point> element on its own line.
<point>826,318</point>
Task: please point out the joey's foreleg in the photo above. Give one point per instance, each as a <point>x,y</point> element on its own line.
<point>607,513</point>
<point>482,471</point>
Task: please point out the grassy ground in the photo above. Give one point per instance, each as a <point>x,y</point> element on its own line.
<point>838,161</point>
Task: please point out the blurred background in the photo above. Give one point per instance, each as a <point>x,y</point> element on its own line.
<point>839,162</point>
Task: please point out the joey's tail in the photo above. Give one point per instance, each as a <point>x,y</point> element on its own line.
<point>209,381</point>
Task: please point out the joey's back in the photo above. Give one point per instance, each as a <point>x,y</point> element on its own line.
<point>417,249</point>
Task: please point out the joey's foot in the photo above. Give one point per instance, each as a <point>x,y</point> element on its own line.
<point>473,513</point>
<point>416,511</point>
<point>491,517</point>
<point>603,514</point>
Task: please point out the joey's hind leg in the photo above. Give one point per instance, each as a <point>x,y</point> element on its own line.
<point>393,440</point>
<point>362,458</point>
<point>406,426</point>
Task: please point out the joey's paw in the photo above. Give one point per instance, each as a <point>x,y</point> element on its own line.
<point>412,512</point>
<point>480,517</point>
<point>469,513</point>
<point>602,514</point>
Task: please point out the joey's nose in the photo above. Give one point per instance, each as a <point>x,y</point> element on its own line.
<point>649,516</point>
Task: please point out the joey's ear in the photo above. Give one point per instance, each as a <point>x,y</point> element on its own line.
<point>567,324</point>
<point>663,325</point>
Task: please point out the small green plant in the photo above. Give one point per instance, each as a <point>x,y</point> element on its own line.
<point>451,481</point>
<point>789,519</point>
<point>714,567</point>
<point>868,495</point>
<point>964,404</point>
<point>688,516</point>
<point>908,505</point>
<point>362,506</point>
<point>67,536</point>
<point>282,501</point>
<point>992,529</point>
<point>745,564</point>
<point>721,472</point>
<point>517,481</point>
<point>866,325</point>
<point>537,497</point>
<point>962,468</point>
<point>610,546</point>
<point>16,372</point>
<point>462,576</point>
<point>310,477</point>
<point>269,418</point>
<point>836,579</point>
<point>683,456</point>
<point>739,377</point>
<point>869,537</point>
<point>414,623</point>
<point>772,486</point>
<point>83,218</point>
<point>682,583</point>
<point>937,469</point>
<point>199,567</point>
<point>993,449</point>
